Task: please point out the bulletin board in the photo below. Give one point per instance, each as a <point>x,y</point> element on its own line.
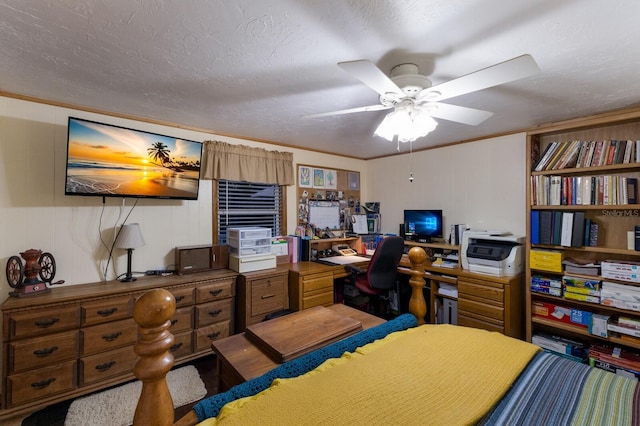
<point>316,186</point>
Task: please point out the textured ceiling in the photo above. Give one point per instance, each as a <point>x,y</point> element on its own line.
<point>251,68</point>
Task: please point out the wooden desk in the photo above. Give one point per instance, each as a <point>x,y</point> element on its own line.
<point>484,301</point>
<point>311,283</point>
<point>239,360</point>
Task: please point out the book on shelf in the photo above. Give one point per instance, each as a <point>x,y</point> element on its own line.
<point>593,234</point>
<point>546,156</point>
<point>557,228</point>
<point>559,152</point>
<point>567,228</point>
<point>534,223</point>
<point>545,226</point>
<point>632,190</point>
<point>577,233</point>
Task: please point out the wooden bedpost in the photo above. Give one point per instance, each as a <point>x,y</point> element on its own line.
<point>153,312</point>
<point>417,304</point>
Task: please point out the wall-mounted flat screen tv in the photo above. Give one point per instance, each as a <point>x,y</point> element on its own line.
<point>111,161</point>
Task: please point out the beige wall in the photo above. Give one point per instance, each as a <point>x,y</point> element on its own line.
<point>35,213</point>
<point>481,184</point>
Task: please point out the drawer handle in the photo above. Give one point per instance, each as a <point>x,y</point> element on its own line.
<point>107,312</point>
<point>174,322</point>
<point>215,292</point>
<point>41,353</point>
<point>47,323</point>
<point>215,313</point>
<point>213,336</point>
<point>43,383</point>
<point>179,299</point>
<point>267,296</point>
<point>112,337</point>
<point>175,347</point>
<point>105,366</point>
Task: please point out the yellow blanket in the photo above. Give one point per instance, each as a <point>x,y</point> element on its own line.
<point>429,375</point>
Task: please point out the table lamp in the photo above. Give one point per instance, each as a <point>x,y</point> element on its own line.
<point>129,238</point>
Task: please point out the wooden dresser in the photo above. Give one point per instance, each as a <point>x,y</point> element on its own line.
<point>79,339</point>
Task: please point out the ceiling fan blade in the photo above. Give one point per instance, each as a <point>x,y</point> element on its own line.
<point>348,111</point>
<point>456,113</point>
<point>370,75</point>
<point>504,72</point>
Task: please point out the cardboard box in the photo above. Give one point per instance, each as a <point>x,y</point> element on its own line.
<point>563,314</point>
<point>546,281</point>
<point>253,263</point>
<point>546,260</point>
<point>553,291</point>
<point>598,325</point>
<point>619,270</point>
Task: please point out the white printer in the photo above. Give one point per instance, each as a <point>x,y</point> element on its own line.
<point>494,253</point>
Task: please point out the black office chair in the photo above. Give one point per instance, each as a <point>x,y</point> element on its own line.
<point>380,275</point>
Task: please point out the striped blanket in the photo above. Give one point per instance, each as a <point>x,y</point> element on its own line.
<point>556,391</point>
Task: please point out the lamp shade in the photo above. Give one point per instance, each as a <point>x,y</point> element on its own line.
<point>408,122</point>
<point>130,237</point>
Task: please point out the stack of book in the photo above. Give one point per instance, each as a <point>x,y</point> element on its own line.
<point>582,289</point>
<point>578,154</point>
<point>616,359</point>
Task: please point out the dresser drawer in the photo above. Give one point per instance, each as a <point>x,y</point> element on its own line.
<point>482,309</point>
<point>469,319</point>
<point>36,352</point>
<point>214,291</point>
<point>185,296</point>
<point>182,320</point>
<point>107,310</point>
<point>481,291</point>
<point>206,335</point>
<point>212,312</point>
<point>38,384</point>
<point>44,321</point>
<point>318,282</point>
<point>98,367</point>
<point>321,299</point>
<point>109,336</point>
<point>182,345</point>
<point>268,295</point>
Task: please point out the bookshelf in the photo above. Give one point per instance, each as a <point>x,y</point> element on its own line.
<point>613,208</point>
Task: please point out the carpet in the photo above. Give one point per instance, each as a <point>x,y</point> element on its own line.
<point>117,406</point>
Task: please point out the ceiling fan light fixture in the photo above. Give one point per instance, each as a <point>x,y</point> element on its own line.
<point>408,123</point>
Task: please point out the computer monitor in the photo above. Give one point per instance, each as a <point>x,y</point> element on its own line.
<point>423,225</point>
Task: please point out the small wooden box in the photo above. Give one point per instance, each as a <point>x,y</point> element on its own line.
<point>190,259</point>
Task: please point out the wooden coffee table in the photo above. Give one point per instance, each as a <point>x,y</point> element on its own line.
<point>239,360</point>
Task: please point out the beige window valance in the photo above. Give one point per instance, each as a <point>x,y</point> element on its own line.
<point>222,160</point>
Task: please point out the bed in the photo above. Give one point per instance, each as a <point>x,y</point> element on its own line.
<point>399,372</point>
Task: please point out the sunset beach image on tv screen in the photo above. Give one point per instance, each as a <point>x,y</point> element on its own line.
<point>108,160</point>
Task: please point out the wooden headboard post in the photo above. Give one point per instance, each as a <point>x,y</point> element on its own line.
<point>417,304</point>
<point>153,312</point>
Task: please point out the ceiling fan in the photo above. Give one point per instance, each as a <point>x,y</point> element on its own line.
<point>416,102</point>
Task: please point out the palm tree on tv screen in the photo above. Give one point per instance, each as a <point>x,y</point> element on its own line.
<point>159,151</point>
